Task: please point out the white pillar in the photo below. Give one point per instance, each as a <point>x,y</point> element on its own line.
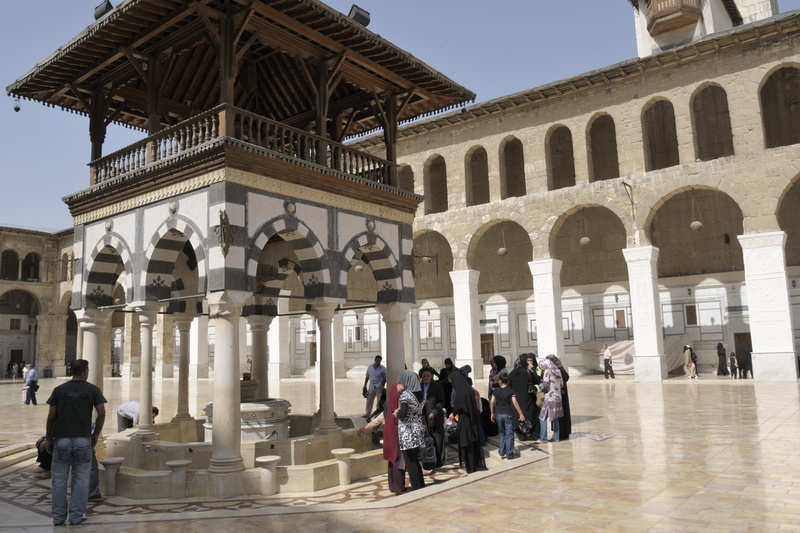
<point>148,314</point>
<point>394,316</point>
<point>324,311</point>
<point>259,326</point>
<point>465,303</point>
<point>771,328</point>
<point>92,325</point>
<point>547,300</point>
<point>183,321</point>
<point>164,363</point>
<point>226,465</point>
<point>651,363</point>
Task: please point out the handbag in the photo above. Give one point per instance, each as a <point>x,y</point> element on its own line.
<point>539,398</point>
<point>526,428</point>
<point>427,449</point>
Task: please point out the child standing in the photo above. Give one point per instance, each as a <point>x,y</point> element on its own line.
<point>503,398</point>
<point>734,364</point>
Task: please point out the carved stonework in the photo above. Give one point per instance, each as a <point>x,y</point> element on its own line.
<point>224,232</point>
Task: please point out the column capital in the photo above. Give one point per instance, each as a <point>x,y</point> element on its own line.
<point>545,266</point>
<point>183,321</point>
<point>93,317</point>
<point>753,241</point>
<point>259,322</point>
<point>227,302</point>
<point>394,311</point>
<point>640,253</point>
<point>147,311</point>
<point>467,276</point>
<point>325,308</point>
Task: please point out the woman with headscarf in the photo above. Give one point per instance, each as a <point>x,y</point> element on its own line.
<point>521,383</point>
<point>409,429</point>
<point>565,423</point>
<point>391,442</point>
<point>470,451</point>
<point>498,363</point>
<point>446,385</point>
<point>426,365</point>
<point>722,355</point>
<point>552,409</point>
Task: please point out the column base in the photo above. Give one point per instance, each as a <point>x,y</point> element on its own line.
<point>781,366</point>
<point>225,484</point>
<point>650,368</point>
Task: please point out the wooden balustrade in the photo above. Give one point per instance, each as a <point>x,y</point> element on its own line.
<point>667,15</point>
<point>228,121</point>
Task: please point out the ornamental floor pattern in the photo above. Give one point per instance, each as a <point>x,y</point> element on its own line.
<point>707,455</point>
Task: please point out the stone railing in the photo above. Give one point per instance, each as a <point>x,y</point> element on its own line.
<point>242,125</point>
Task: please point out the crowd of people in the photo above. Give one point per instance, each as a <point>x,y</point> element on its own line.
<point>425,411</point>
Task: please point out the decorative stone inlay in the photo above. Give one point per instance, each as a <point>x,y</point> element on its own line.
<point>109,225</point>
<point>173,207</point>
<point>290,207</point>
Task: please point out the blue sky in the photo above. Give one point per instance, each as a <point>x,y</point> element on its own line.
<point>492,48</point>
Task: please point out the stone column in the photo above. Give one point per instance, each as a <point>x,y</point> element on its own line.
<point>148,314</point>
<point>771,327</point>
<point>394,315</point>
<point>92,322</point>
<point>226,465</point>
<point>259,326</point>
<point>651,363</point>
<point>547,301</point>
<point>165,345</point>
<point>324,311</point>
<point>198,353</point>
<point>131,348</point>
<point>183,321</point>
<point>465,304</point>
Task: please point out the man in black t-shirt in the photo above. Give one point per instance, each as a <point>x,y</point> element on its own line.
<point>70,439</point>
<point>503,401</point>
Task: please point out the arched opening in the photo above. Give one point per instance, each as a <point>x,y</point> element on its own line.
<point>477,166</point>
<point>560,159</point>
<point>512,168</point>
<point>660,136</point>
<point>603,157</point>
<point>501,252</point>
<point>789,221</point>
<point>9,265</point>
<point>432,263</point>
<point>435,176</point>
<point>712,124</point>
<point>686,248</point>
<point>780,108</point>
<point>30,267</point>
<point>589,243</point>
<point>405,178</point>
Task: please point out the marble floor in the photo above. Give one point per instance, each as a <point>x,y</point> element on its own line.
<point>708,455</point>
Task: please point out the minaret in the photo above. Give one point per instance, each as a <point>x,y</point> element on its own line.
<point>665,24</point>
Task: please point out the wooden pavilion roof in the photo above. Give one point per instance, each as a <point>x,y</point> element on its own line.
<point>277,38</point>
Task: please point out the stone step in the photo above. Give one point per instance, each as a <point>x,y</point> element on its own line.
<point>18,457</point>
<point>11,449</point>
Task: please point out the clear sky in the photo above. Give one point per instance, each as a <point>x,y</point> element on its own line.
<point>493,48</point>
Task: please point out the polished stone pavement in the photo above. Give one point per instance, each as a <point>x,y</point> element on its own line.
<point>708,455</point>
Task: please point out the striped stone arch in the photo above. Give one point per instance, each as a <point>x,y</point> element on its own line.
<point>306,246</point>
<point>103,271</point>
<point>273,286</point>
<point>376,253</point>
<point>165,246</point>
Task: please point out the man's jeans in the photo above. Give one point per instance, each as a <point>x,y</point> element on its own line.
<point>505,428</point>
<point>75,454</point>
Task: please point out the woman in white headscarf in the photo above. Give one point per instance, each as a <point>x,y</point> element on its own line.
<point>409,428</point>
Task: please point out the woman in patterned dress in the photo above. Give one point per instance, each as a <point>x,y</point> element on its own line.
<point>409,428</point>
<point>552,409</point>
<point>391,442</point>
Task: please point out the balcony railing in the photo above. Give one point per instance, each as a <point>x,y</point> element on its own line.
<point>667,15</point>
<point>225,120</point>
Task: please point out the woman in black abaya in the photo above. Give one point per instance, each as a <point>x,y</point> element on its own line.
<point>470,451</point>
<point>520,382</point>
